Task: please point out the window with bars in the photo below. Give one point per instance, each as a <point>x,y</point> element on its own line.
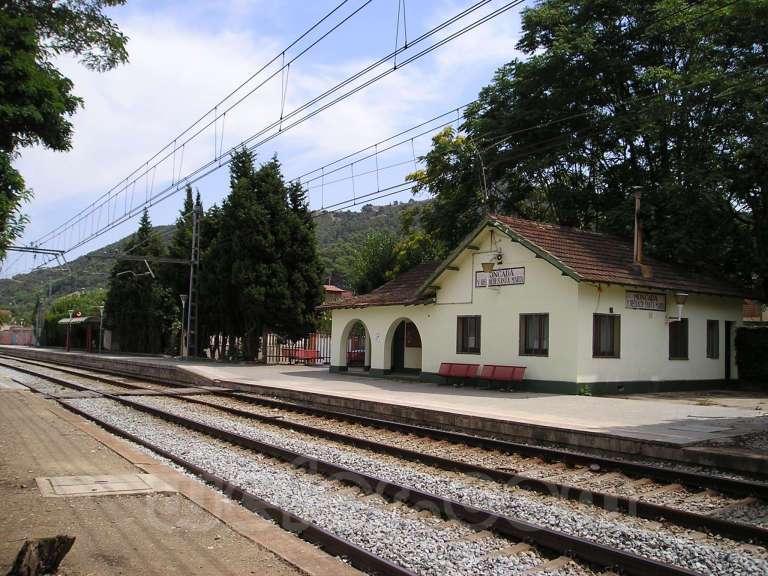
<point>606,335</point>
<point>534,334</point>
<point>713,338</point>
<point>468,335</point>
<point>678,340</point>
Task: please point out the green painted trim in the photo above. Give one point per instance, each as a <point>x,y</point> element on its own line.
<point>645,386</point>
<point>431,377</point>
<point>334,369</point>
<point>377,372</point>
<point>452,256</point>
<point>595,388</point>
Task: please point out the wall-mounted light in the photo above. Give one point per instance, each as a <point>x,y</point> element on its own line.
<point>680,298</point>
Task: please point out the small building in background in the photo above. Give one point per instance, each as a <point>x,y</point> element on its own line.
<point>334,293</point>
<point>754,311</point>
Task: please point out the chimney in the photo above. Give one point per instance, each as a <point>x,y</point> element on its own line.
<point>638,228</point>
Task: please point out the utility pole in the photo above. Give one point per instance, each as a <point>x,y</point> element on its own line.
<point>194,262</point>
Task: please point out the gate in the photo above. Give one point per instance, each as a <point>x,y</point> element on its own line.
<point>356,344</point>
<point>312,350</point>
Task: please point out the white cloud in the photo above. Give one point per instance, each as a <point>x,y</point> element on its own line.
<point>178,71</point>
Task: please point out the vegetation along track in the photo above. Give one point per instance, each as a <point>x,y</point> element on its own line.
<point>444,506</point>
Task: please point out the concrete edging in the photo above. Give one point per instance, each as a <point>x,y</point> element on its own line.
<point>471,424</point>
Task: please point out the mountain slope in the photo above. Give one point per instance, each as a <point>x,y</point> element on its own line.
<point>339,234</point>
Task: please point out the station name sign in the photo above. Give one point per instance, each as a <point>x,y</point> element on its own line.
<point>646,301</point>
<point>500,277</point>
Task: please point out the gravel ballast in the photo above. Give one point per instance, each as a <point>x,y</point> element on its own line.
<point>681,548</point>
<point>425,545</point>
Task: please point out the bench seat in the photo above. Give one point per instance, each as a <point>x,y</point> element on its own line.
<point>457,370</point>
<point>502,373</point>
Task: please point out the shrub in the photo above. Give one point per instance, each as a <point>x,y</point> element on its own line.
<point>751,354</point>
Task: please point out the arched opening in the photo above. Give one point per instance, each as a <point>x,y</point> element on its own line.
<point>356,346</point>
<point>404,347</point>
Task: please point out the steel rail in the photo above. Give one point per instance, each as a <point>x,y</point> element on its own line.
<point>690,479</point>
<point>609,502</point>
<point>719,483</point>
<point>559,542</point>
<point>332,544</point>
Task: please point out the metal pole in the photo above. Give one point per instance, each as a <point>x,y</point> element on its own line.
<point>69,325</point>
<point>101,322</point>
<point>183,298</point>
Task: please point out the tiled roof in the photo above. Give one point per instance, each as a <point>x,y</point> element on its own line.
<point>597,257</point>
<point>332,288</point>
<point>403,290</point>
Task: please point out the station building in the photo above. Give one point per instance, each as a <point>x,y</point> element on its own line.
<point>581,311</point>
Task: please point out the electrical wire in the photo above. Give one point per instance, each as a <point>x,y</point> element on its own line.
<point>211,166</point>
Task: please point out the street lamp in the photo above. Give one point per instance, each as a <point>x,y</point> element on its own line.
<point>101,321</point>
<point>69,326</point>
<point>181,341</point>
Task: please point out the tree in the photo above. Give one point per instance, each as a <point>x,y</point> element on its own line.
<point>668,97</point>
<point>375,258</point>
<point>176,276</point>
<point>35,98</point>
<point>139,309</point>
<point>261,268</point>
<point>304,267</point>
<point>454,177</point>
<point>87,303</point>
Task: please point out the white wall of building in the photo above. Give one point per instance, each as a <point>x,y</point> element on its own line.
<point>570,305</point>
<point>545,290</point>
<point>644,354</point>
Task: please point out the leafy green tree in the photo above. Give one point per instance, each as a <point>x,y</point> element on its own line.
<point>139,309</point>
<point>454,177</point>
<point>261,270</point>
<point>35,98</point>
<point>176,276</point>
<point>304,268</point>
<point>374,259</point>
<point>87,303</point>
<point>666,96</point>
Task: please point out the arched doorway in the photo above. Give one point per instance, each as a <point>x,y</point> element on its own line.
<point>404,347</point>
<point>356,346</point>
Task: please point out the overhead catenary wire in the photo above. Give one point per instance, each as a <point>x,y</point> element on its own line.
<point>208,167</point>
<point>214,109</point>
<point>419,55</point>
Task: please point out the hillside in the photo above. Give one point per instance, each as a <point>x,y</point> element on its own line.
<point>338,236</point>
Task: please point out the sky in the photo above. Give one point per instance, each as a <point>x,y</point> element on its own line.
<point>186,57</point>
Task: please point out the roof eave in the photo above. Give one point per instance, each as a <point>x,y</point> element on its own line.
<point>489,221</point>
<point>653,286</point>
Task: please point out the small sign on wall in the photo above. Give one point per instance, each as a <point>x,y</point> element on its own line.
<point>646,301</point>
<point>500,277</point>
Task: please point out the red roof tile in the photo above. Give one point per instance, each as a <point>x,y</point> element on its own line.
<point>402,291</point>
<point>597,257</point>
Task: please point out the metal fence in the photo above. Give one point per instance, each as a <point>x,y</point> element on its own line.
<point>314,349</point>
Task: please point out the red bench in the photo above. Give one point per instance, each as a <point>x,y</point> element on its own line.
<point>457,371</point>
<point>497,373</point>
<point>309,357</point>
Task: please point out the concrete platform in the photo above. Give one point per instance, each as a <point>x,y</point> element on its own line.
<point>656,428</point>
<point>172,525</point>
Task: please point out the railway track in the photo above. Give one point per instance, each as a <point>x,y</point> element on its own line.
<point>548,540</point>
